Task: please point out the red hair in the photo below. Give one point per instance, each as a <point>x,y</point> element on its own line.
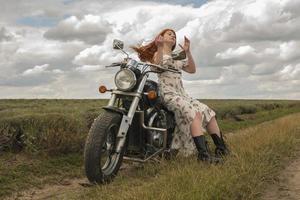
<point>146,52</point>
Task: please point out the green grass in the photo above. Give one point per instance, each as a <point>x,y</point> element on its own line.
<point>256,118</point>
<point>60,126</point>
<point>72,107</point>
<point>22,171</point>
<point>53,134</point>
<point>259,153</point>
<point>47,126</point>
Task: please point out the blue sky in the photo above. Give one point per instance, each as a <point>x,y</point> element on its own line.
<point>37,21</point>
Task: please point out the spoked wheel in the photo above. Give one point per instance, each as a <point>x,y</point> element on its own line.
<point>101,160</point>
<point>109,156</point>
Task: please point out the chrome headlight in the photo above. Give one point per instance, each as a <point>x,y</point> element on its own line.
<point>125,79</point>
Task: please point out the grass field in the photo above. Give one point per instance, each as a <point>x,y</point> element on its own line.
<point>42,143</point>
<point>259,153</point>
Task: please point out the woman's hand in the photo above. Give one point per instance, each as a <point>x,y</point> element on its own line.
<point>190,67</point>
<point>159,41</point>
<point>186,46</point>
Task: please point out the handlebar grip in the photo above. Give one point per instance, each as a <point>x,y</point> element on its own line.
<point>114,64</point>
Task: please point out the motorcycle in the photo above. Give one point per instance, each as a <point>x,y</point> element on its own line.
<point>134,125</point>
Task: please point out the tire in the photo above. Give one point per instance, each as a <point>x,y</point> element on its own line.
<point>101,136</point>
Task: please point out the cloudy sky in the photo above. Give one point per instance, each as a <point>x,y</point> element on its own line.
<point>244,49</point>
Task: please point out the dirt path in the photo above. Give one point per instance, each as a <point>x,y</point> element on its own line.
<point>288,184</point>
<point>50,191</point>
<point>55,191</point>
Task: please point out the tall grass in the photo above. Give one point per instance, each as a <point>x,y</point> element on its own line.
<point>50,135</point>
<point>46,126</point>
<point>258,153</point>
<point>60,126</point>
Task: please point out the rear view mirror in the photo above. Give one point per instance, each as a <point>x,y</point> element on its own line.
<point>118,44</point>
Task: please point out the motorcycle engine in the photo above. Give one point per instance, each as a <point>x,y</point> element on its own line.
<point>155,139</point>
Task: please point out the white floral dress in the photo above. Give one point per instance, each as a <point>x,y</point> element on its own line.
<point>184,107</point>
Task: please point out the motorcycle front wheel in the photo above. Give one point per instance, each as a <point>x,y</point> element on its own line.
<point>101,161</point>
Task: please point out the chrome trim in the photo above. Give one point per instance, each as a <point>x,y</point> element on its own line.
<point>144,160</point>
<point>149,110</point>
<point>159,151</point>
<point>163,130</point>
<point>112,100</point>
<point>126,120</point>
<point>135,94</point>
<point>142,84</point>
<point>132,63</point>
<point>152,119</point>
<point>153,128</point>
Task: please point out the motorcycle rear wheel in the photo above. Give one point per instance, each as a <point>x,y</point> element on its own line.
<point>101,161</point>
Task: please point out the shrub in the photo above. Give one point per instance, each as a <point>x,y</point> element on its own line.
<point>51,133</point>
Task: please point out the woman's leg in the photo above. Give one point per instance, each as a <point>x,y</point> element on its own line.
<point>214,131</point>
<point>199,140</point>
<point>196,129</point>
<point>212,127</point>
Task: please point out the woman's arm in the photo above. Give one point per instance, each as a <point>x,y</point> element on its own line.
<point>158,55</point>
<point>190,67</point>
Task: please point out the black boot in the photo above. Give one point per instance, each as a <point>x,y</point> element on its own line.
<point>221,147</point>
<point>203,154</point>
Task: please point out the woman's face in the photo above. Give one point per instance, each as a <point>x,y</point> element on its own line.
<point>170,37</point>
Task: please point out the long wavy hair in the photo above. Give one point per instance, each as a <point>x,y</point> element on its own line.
<point>146,52</point>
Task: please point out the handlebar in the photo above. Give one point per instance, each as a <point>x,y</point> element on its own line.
<point>160,67</point>
<point>115,64</point>
<point>146,64</point>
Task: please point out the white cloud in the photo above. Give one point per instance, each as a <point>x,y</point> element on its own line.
<point>238,52</point>
<point>90,55</point>
<point>290,50</point>
<point>39,69</point>
<point>91,29</point>
<point>85,68</point>
<point>235,44</point>
<point>57,71</point>
<point>290,73</point>
<point>5,35</point>
<point>98,55</point>
<point>36,70</point>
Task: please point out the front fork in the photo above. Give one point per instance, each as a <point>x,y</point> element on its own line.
<point>127,119</point>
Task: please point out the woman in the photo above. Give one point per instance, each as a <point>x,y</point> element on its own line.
<point>192,117</point>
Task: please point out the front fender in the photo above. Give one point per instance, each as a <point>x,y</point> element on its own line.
<point>115,109</point>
